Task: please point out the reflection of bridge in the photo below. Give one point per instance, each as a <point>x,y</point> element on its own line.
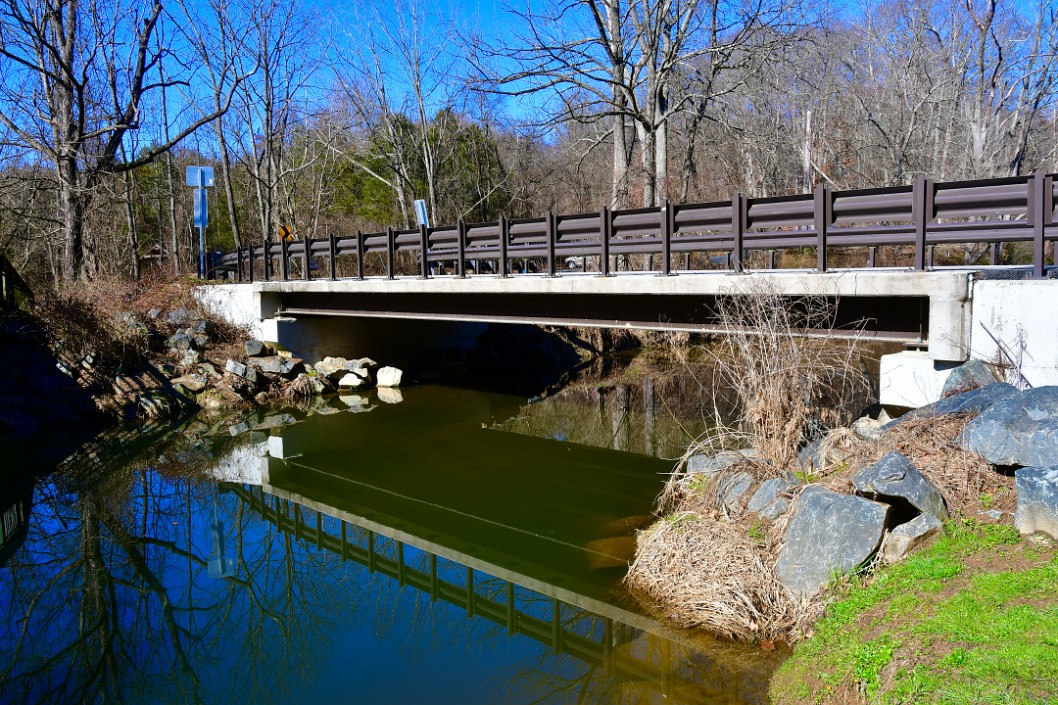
<point>600,640</point>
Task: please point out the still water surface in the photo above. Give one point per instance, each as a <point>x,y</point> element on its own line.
<point>456,547</point>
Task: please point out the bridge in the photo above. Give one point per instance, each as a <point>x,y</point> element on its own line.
<point>657,269</point>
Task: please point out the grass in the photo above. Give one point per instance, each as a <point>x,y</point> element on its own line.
<point>971,619</point>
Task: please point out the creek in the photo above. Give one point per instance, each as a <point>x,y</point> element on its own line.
<point>455,547</point>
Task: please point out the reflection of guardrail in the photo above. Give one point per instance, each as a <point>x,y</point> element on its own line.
<point>11,285</point>
<point>596,648</point>
<point>919,216</point>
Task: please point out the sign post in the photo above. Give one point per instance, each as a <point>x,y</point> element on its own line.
<point>200,177</point>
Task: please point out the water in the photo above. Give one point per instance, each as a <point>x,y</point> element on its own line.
<point>428,551</point>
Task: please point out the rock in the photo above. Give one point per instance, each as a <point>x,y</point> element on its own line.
<point>154,313</point>
<point>192,382</point>
<point>331,367</point>
<point>893,476</point>
<point>180,342</point>
<point>205,327</point>
<point>219,399</point>
<point>236,429</point>
<point>191,358</point>
<point>207,369</point>
<point>250,375</point>
<point>1037,500</point>
<point>771,499</point>
<point>255,348</point>
<point>614,552</point>
<point>907,537</point>
<point>1019,429</point>
<point>236,368</point>
<point>993,514</point>
<point>709,465</point>
<point>974,401</point>
<point>830,533</point>
<point>971,375</point>
<point>731,487</point>
<point>388,395</point>
<point>272,364</point>
<point>366,362</point>
<point>867,428</point>
<point>388,377</point>
<point>810,456</point>
<point>179,317</point>
<point>350,381</point>
<point>260,398</point>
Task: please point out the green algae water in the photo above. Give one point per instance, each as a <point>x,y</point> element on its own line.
<point>432,545</point>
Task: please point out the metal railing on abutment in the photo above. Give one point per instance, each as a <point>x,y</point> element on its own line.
<point>913,220</point>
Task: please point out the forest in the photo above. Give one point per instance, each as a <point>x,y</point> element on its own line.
<point>327,120</point>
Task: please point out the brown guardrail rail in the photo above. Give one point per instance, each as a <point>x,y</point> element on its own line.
<point>919,216</point>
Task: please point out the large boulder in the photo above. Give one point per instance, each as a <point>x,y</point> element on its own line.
<point>907,537</point>
<point>709,465</point>
<point>219,399</point>
<point>331,367</point>
<point>388,377</point>
<point>772,498</point>
<point>1020,429</point>
<point>829,534</point>
<point>732,487</point>
<point>1037,500</point>
<point>973,401</point>
<point>894,477</point>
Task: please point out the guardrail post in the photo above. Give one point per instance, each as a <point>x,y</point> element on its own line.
<point>504,234</point>
<point>771,259</point>
<point>332,248</point>
<point>872,256</point>
<point>284,253</point>
<point>824,214</point>
<point>359,254</point>
<point>391,248</point>
<point>1041,214</point>
<point>461,247</point>
<point>929,255</point>
<point>921,214</point>
<point>268,259</point>
<point>668,226</point>
<point>993,253</point>
<point>552,237</point>
<point>307,242</point>
<point>238,263</point>
<point>738,230</point>
<point>249,257</point>
<point>604,241</point>
<point>424,252</point>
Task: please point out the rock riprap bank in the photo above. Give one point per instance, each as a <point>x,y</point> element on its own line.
<point>861,495</point>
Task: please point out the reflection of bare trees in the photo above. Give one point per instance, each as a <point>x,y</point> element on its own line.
<point>109,599</point>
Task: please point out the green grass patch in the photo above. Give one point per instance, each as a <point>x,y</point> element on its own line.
<point>957,623</point>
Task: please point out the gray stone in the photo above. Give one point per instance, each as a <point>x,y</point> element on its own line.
<point>907,537</point>
<point>273,364</point>
<point>771,499</point>
<point>867,428</point>
<point>291,367</point>
<point>388,377</point>
<point>236,429</point>
<point>732,487</point>
<point>829,534</point>
<point>205,327</point>
<point>255,348</point>
<point>993,514</point>
<point>236,368</point>
<point>331,367</point>
<point>350,381</point>
<point>709,465</point>
<point>810,455</point>
<point>970,375</point>
<point>179,317</point>
<point>1037,500</point>
<point>192,383</point>
<point>191,357</point>
<point>895,477</point>
<point>180,342</point>
<point>366,362</point>
<point>1020,429</point>
<point>219,399</point>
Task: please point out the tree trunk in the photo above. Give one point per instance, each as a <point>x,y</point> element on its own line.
<point>72,204</point>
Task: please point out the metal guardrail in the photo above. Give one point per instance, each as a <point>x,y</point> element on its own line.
<point>920,216</point>
<point>11,284</point>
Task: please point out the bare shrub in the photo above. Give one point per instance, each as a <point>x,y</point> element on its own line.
<point>791,376</point>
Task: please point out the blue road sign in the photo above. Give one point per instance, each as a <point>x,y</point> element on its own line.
<point>420,213</point>
<point>201,208</point>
